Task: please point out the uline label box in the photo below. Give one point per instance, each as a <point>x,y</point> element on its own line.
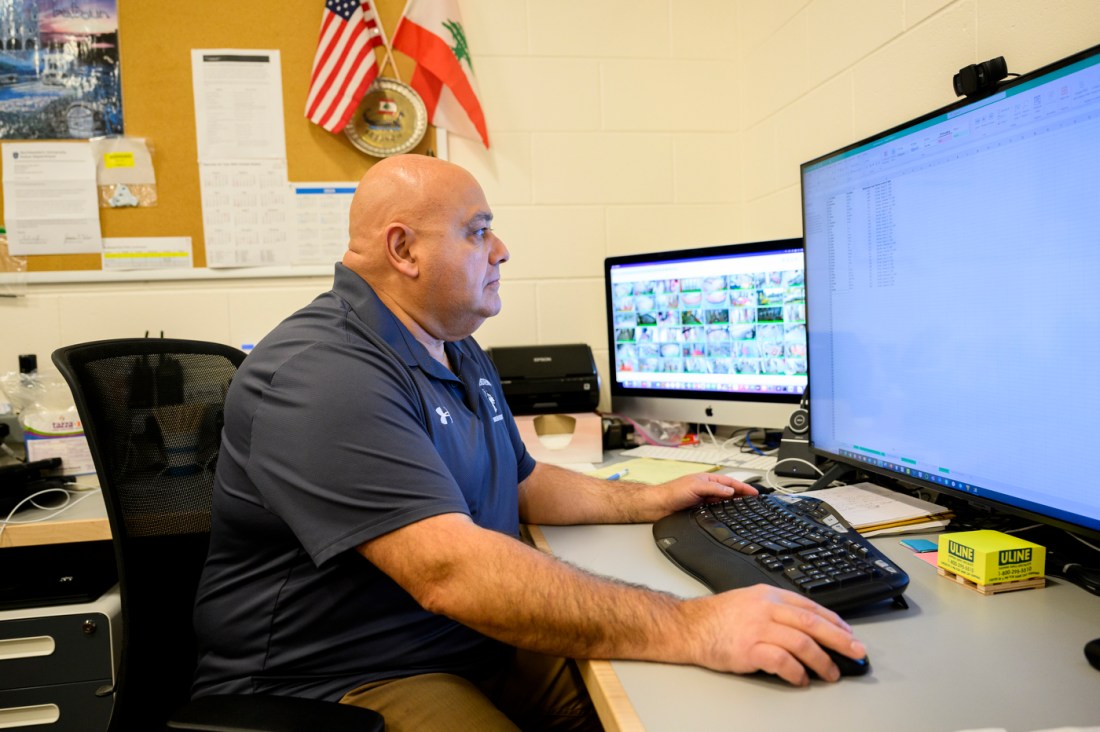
<point>990,557</point>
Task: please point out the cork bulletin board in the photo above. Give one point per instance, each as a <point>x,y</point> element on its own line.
<point>155,42</point>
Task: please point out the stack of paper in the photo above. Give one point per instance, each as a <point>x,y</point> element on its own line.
<point>874,510</point>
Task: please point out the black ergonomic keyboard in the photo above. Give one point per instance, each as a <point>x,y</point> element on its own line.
<point>795,542</point>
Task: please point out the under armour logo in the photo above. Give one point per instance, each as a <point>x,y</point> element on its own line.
<point>444,415</point>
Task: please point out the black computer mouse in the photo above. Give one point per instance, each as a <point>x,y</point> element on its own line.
<point>1092,653</point>
<point>849,666</point>
<point>757,482</point>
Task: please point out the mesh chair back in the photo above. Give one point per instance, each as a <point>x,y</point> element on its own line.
<point>152,413</point>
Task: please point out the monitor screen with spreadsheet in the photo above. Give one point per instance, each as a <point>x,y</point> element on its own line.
<point>953,298</point>
<point>712,335</point>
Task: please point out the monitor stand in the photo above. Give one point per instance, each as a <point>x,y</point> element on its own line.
<point>834,471</point>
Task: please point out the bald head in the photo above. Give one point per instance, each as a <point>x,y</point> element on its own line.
<point>420,233</point>
<point>404,189</point>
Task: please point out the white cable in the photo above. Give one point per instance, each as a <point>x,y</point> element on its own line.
<point>735,441</point>
<point>69,503</point>
<point>1022,528</point>
<point>738,441</point>
<point>783,489</point>
<point>800,460</point>
<point>1090,545</point>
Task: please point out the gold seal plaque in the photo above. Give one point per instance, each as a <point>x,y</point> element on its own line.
<point>391,119</point>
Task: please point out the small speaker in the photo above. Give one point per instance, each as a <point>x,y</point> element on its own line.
<point>794,447</point>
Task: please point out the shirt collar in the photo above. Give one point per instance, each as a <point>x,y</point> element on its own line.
<point>366,304</point>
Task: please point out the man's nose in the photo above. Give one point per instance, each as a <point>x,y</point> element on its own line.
<point>500,253</point>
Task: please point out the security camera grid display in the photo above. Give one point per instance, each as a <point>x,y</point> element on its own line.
<point>750,324</point>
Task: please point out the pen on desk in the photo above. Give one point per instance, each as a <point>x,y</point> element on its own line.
<point>621,474</point>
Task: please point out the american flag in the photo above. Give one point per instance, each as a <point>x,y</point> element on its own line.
<point>345,65</point>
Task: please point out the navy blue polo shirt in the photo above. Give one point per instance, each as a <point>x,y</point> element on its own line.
<point>339,428</point>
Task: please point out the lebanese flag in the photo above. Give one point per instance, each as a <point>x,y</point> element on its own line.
<point>432,35</point>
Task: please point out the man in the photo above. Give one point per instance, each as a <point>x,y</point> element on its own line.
<point>369,492</point>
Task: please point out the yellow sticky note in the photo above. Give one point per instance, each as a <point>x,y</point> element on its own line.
<point>118,160</point>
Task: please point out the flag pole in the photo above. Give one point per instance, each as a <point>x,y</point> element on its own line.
<point>388,58</point>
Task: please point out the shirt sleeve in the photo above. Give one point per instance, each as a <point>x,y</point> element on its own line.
<point>341,454</point>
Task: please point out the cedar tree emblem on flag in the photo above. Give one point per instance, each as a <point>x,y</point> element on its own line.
<point>444,75</point>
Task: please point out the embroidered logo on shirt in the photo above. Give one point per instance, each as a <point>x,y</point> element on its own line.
<point>444,415</point>
<point>491,399</point>
<point>492,402</point>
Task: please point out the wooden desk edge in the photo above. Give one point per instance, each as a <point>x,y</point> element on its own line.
<point>51,532</point>
<point>608,695</point>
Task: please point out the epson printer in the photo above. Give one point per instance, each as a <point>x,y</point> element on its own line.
<point>554,379</point>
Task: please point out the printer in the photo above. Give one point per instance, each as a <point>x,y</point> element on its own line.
<point>555,379</point>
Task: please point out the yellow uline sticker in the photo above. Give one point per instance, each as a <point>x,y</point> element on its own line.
<point>118,159</point>
<point>142,255</point>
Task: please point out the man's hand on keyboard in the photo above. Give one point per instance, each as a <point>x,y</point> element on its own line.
<point>764,628</point>
<point>691,490</point>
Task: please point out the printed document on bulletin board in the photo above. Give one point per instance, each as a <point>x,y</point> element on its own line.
<point>242,157</point>
<point>147,252</point>
<point>238,104</point>
<point>50,198</point>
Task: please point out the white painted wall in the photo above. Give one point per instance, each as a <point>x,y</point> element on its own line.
<point>628,125</point>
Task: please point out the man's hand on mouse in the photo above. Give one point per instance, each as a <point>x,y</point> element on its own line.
<point>764,628</point>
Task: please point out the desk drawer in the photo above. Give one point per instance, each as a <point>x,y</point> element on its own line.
<point>41,651</point>
<point>72,707</point>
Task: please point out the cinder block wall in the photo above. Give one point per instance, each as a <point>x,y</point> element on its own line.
<point>622,126</point>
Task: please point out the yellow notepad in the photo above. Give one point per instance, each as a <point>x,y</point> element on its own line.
<point>652,470</point>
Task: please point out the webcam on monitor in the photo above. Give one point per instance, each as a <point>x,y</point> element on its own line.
<point>978,78</point>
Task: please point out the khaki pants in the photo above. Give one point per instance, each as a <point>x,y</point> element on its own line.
<point>533,692</point>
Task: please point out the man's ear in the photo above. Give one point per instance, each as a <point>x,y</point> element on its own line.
<point>399,249</point>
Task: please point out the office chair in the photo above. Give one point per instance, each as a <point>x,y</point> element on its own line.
<point>152,413</point>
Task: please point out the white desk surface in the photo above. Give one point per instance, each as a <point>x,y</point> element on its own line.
<point>955,660</point>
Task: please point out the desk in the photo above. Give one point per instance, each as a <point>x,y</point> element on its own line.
<point>59,684</point>
<point>85,521</point>
<point>955,660</point>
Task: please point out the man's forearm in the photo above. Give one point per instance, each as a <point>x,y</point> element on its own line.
<point>509,591</point>
<point>553,495</point>
<point>516,594</point>
<point>555,608</point>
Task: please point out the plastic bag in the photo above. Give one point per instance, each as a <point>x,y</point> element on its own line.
<point>124,171</point>
<point>51,425</point>
<point>659,432</point>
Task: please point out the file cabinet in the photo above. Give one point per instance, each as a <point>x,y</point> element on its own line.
<point>57,665</point>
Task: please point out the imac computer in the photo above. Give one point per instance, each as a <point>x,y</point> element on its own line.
<point>715,335</point>
<point>953,298</point>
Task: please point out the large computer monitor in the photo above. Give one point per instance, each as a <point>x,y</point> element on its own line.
<point>714,335</point>
<point>953,297</point>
